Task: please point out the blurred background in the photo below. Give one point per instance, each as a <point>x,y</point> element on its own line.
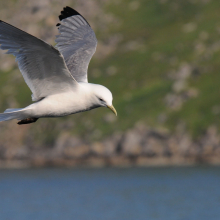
<point>161,60</point>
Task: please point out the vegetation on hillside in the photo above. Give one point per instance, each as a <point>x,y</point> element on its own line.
<point>162,68</point>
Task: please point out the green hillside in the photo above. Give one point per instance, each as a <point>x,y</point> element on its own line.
<point>164,71</point>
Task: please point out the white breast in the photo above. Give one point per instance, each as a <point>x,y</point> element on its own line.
<point>58,105</point>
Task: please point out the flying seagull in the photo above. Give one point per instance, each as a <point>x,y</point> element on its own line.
<point>57,76</point>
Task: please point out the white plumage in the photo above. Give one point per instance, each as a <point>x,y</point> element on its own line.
<point>56,77</point>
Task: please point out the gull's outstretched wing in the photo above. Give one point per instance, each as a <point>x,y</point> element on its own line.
<point>77,43</point>
<point>42,66</point>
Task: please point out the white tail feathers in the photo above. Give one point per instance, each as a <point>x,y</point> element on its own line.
<point>9,114</point>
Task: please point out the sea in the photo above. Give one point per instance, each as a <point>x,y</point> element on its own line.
<point>159,193</point>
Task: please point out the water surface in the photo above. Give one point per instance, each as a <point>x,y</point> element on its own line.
<point>111,194</point>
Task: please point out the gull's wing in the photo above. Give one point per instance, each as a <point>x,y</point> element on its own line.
<point>41,65</point>
<point>77,43</point>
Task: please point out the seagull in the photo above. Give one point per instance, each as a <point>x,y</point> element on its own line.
<point>57,76</point>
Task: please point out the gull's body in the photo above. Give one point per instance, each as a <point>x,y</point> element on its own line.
<point>56,77</point>
<point>67,103</point>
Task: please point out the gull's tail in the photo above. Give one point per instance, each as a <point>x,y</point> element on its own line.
<point>12,113</point>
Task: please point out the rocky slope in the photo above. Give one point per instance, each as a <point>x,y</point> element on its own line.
<point>140,146</point>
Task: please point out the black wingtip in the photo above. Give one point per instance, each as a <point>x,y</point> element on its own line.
<point>69,12</point>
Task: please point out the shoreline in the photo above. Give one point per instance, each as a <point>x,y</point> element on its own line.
<point>114,162</point>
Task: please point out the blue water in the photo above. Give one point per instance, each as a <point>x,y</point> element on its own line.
<point>111,194</point>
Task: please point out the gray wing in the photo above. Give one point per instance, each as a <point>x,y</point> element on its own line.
<point>77,43</point>
<point>41,65</point>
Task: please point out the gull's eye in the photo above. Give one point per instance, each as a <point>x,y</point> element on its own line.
<point>101,100</point>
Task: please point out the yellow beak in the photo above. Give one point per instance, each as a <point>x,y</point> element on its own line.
<point>113,109</point>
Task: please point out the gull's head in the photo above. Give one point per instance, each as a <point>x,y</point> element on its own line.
<point>102,97</point>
